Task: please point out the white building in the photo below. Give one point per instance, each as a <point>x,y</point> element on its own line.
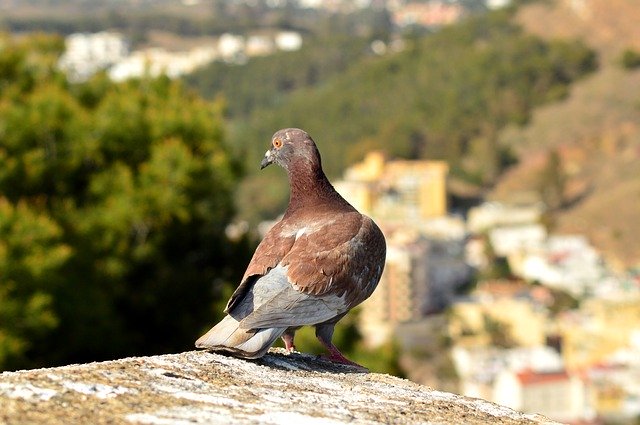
<point>155,61</point>
<point>497,4</point>
<point>558,395</point>
<point>231,47</point>
<point>506,241</point>
<point>566,262</point>
<point>288,41</point>
<point>85,54</point>
<point>479,367</point>
<point>494,214</point>
<point>259,45</point>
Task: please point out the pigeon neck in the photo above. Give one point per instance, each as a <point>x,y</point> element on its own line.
<point>309,187</point>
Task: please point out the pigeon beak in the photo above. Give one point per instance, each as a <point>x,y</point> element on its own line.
<point>268,159</point>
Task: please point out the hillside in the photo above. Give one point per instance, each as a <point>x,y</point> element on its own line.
<point>609,26</point>
<point>595,130</point>
<point>444,96</point>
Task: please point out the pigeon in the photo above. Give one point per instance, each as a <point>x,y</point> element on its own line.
<point>319,261</point>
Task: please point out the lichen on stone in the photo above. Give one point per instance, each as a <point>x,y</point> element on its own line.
<point>203,387</point>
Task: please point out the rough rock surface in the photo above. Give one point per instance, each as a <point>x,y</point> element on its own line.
<point>201,387</point>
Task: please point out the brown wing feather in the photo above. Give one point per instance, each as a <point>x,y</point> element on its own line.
<point>270,251</point>
<point>309,261</point>
<point>345,257</point>
<point>370,258</point>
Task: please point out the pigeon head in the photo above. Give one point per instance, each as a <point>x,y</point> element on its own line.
<point>292,147</point>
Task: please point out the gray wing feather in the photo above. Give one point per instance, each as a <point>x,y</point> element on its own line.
<point>248,343</point>
<point>274,302</point>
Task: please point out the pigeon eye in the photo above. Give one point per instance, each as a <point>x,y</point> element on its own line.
<point>277,143</point>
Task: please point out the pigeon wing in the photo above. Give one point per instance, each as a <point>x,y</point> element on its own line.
<point>324,274</point>
<point>272,302</point>
<point>344,258</point>
<point>268,254</point>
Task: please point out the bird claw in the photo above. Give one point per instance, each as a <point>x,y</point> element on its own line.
<point>340,359</point>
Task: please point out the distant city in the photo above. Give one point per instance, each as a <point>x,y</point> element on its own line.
<point>87,53</point>
<point>511,339</point>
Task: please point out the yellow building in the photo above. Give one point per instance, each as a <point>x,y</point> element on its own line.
<point>396,190</point>
<point>523,323</point>
<point>601,328</point>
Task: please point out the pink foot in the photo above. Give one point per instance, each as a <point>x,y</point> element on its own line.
<point>337,357</point>
<point>288,342</point>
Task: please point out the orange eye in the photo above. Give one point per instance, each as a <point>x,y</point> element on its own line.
<point>277,143</point>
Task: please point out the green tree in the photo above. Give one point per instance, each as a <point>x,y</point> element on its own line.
<point>552,181</point>
<point>31,253</point>
<point>114,200</point>
<point>630,59</point>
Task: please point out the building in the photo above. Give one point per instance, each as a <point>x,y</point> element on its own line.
<point>478,367</point>
<point>509,240</point>
<point>565,262</point>
<point>497,4</point>
<point>288,41</point>
<point>420,278</point>
<point>615,390</point>
<point>398,190</point>
<point>85,54</point>
<point>156,61</point>
<point>259,45</point>
<point>425,247</point>
<point>494,214</point>
<point>558,395</point>
<point>428,14</point>
<point>513,309</point>
<point>599,329</point>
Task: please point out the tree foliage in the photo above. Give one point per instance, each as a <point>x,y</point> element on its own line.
<point>113,204</point>
<point>31,253</point>
<point>630,59</point>
<point>264,82</point>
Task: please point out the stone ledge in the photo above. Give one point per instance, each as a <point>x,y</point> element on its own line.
<point>202,387</point>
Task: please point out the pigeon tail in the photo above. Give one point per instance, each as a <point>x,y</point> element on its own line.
<point>246,343</point>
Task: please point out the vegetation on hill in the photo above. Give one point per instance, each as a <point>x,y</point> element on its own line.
<point>445,96</point>
<point>592,136</point>
<point>630,59</point>
<point>265,82</point>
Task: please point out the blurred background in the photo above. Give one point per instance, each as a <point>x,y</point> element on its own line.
<point>496,142</point>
